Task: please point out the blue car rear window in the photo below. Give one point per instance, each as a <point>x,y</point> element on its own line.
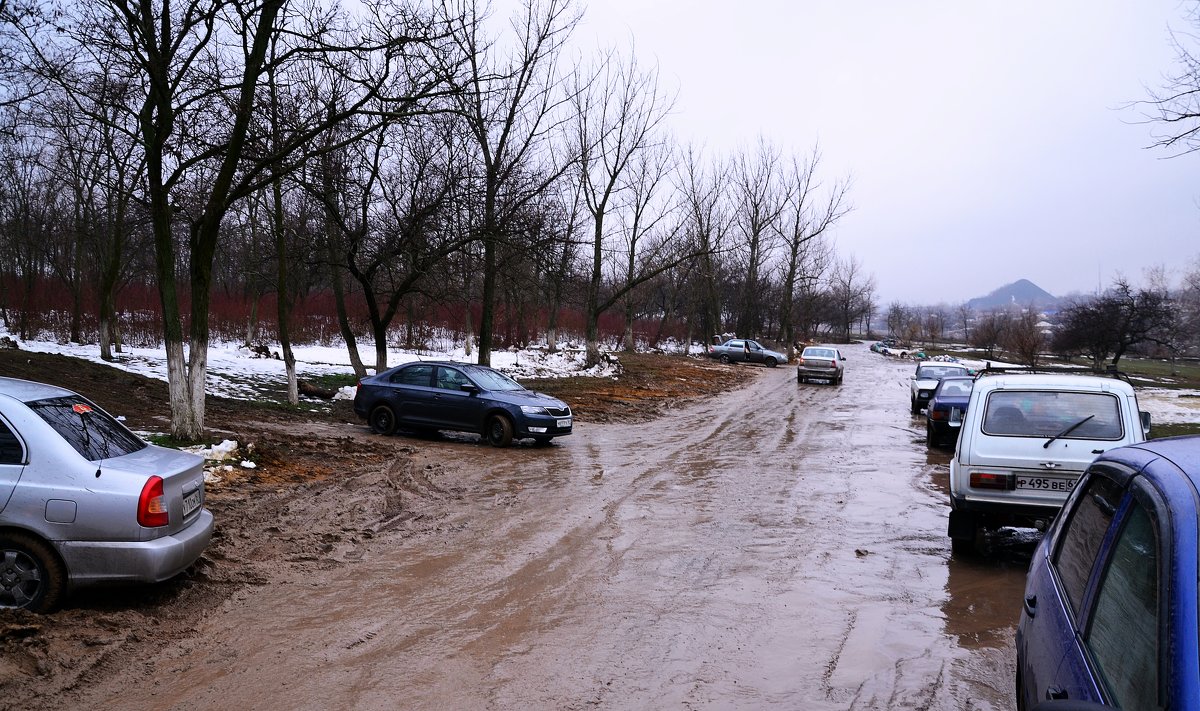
<point>91,431</point>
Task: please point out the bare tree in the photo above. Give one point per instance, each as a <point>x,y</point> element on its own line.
<point>989,331</point>
<point>706,224</point>
<point>965,315</point>
<point>617,113</point>
<point>1023,337</point>
<point>1188,301</point>
<point>195,71</point>
<point>390,215</point>
<point>850,292</point>
<point>1175,106</point>
<point>807,216</point>
<point>1111,323</point>
<point>511,105</point>
<point>935,324</point>
<point>760,196</point>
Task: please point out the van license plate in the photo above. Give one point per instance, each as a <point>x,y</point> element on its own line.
<point>1045,483</point>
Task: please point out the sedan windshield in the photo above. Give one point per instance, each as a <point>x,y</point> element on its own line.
<point>489,379</point>
<point>91,431</point>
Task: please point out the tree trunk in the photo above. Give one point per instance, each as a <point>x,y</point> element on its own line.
<point>335,274</point>
<point>487,314</point>
<point>282,293</point>
<point>592,338</point>
<point>380,332</point>
<point>252,321</point>
<point>467,330</point>
<point>630,347</point>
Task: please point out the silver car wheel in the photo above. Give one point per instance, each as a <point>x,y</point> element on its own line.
<point>30,575</point>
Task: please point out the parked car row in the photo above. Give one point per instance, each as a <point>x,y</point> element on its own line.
<point>1110,610</point>
<point>926,378</point>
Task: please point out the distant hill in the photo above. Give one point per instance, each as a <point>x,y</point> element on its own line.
<point>1020,293</point>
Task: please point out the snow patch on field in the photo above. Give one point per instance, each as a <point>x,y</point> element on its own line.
<point>236,372</point>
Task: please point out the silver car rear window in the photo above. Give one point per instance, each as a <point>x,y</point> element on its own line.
<point>1049,413</point>
<point>91,431</point>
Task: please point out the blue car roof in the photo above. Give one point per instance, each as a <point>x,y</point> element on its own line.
<point>1174,454</point>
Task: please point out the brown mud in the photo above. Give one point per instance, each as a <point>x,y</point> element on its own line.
<point>710,537</point>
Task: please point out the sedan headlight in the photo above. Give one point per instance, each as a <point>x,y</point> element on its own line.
<point>534,410</point>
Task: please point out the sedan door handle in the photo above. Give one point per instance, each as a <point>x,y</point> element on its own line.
<point>1055,693</point>
<point>1031,605</point>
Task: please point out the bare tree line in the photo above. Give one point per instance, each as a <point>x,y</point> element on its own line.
<point>403,158</point>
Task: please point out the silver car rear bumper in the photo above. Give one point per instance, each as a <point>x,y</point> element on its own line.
<point>145,562</point>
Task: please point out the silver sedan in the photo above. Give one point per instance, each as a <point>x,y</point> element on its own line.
<point>83,500</point>
<point>822,363</point>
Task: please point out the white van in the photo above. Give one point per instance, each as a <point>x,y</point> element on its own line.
<point>1024,441</point>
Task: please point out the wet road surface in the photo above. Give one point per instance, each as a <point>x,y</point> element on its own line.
<point>780,547</point>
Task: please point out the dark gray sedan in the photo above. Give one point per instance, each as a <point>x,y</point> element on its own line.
<point>83,500</point>
<point>429,396</point>
<point>744,350</point>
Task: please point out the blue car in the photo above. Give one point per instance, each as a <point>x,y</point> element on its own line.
<point>941,426</point>
<point>430,396</point>
<point>1110,610</point>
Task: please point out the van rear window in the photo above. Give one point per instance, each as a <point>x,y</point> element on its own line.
<point>1043,413</point>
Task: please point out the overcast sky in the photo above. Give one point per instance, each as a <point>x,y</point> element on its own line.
<point>986,141</point>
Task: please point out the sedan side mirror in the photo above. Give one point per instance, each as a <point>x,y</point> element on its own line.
<point>469,388</point>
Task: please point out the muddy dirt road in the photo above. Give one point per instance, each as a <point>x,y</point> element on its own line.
<point>782,546</point>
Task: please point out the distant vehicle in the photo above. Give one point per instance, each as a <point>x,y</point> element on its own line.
<point>428,396</point>
<point>744,350</point>
<point>926,377</point>
<point>822,363</point>
<point>943,414</point>
<point>83,500</point>
<point>1111,597</point>
<point>1023,443</point>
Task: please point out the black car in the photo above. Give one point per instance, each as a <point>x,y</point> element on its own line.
<point>429,396</point>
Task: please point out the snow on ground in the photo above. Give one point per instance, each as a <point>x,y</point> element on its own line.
<point>1170,407</point>
<point>235,372</point>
